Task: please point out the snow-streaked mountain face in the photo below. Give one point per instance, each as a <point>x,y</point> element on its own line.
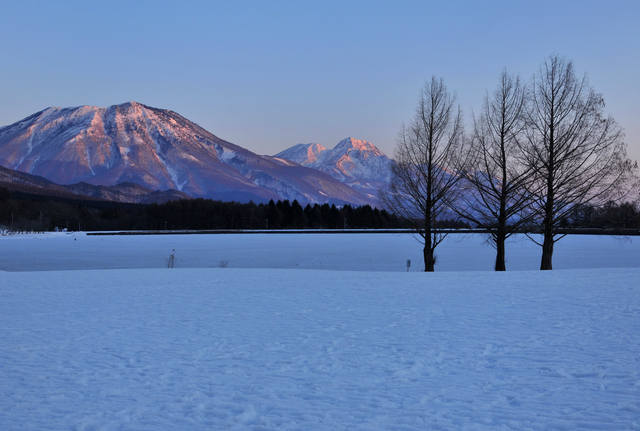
<point>354,162</point>
<point>302,154</point>
<point>158,149</point>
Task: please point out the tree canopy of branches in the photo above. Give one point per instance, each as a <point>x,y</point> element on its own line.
<point>542,158</point>
<point>496,197</point>
<point>576,153</point>
<point>423,182</point>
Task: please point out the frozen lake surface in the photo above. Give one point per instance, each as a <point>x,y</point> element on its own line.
<point>259,346</point>
<point>345,252</point>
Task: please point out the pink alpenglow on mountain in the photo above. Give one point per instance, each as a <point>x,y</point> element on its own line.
<point>354,162</point>
<point>158,149</point>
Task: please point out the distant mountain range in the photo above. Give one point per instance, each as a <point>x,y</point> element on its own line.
<point>356,163</point>
<point>16,181</point>
<point>133,145</point>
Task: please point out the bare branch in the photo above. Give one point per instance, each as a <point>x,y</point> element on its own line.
<point>577,155</point>
<point>426,172</point>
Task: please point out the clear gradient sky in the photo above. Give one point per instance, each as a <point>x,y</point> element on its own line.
<point>267,75</point>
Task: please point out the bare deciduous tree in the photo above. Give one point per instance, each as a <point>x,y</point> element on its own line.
<point>424,180</point>
<point>497,198</point>
<point>577,154</point>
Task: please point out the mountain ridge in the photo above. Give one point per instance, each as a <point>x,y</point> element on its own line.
<point>160,150</point>
<point>357,163</point>
<point>124,192</point>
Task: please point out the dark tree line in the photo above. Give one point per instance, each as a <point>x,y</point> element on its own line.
<point>33,213</point>
<point>199,214</point>
<point>26,212</point>
<point>611,215</point>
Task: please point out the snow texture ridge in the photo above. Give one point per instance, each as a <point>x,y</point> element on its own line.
<point>256,349</point>
<point>283,349</point>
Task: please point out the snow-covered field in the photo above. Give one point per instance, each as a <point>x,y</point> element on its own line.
<point>350,252</point>
<point>260,346</point>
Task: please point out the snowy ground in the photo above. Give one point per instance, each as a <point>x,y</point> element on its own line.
<point>271,349</point>
<point>355,252</point>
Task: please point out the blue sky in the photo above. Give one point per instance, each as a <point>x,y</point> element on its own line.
<point>267,75</point>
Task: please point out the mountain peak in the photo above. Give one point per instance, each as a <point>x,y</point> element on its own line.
<point>354,162</point>
<point>356,144</point>
<point>130,106</point>
<point>302,154</point>
<point>160,150</point>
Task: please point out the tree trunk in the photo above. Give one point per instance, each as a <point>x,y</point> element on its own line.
<point>500,254</point>
<point>548,228</point>
<point>547,252</point>
<point>501,235</point>
<point>429,261</point>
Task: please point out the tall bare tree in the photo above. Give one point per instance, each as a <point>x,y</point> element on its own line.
<point>424,180</point>
<point>577,154</point>
<point>497,198</point>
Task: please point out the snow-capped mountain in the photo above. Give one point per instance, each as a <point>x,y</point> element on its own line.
<point>354,162</point>
<point>302,154</point>
<point>158,149</point>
